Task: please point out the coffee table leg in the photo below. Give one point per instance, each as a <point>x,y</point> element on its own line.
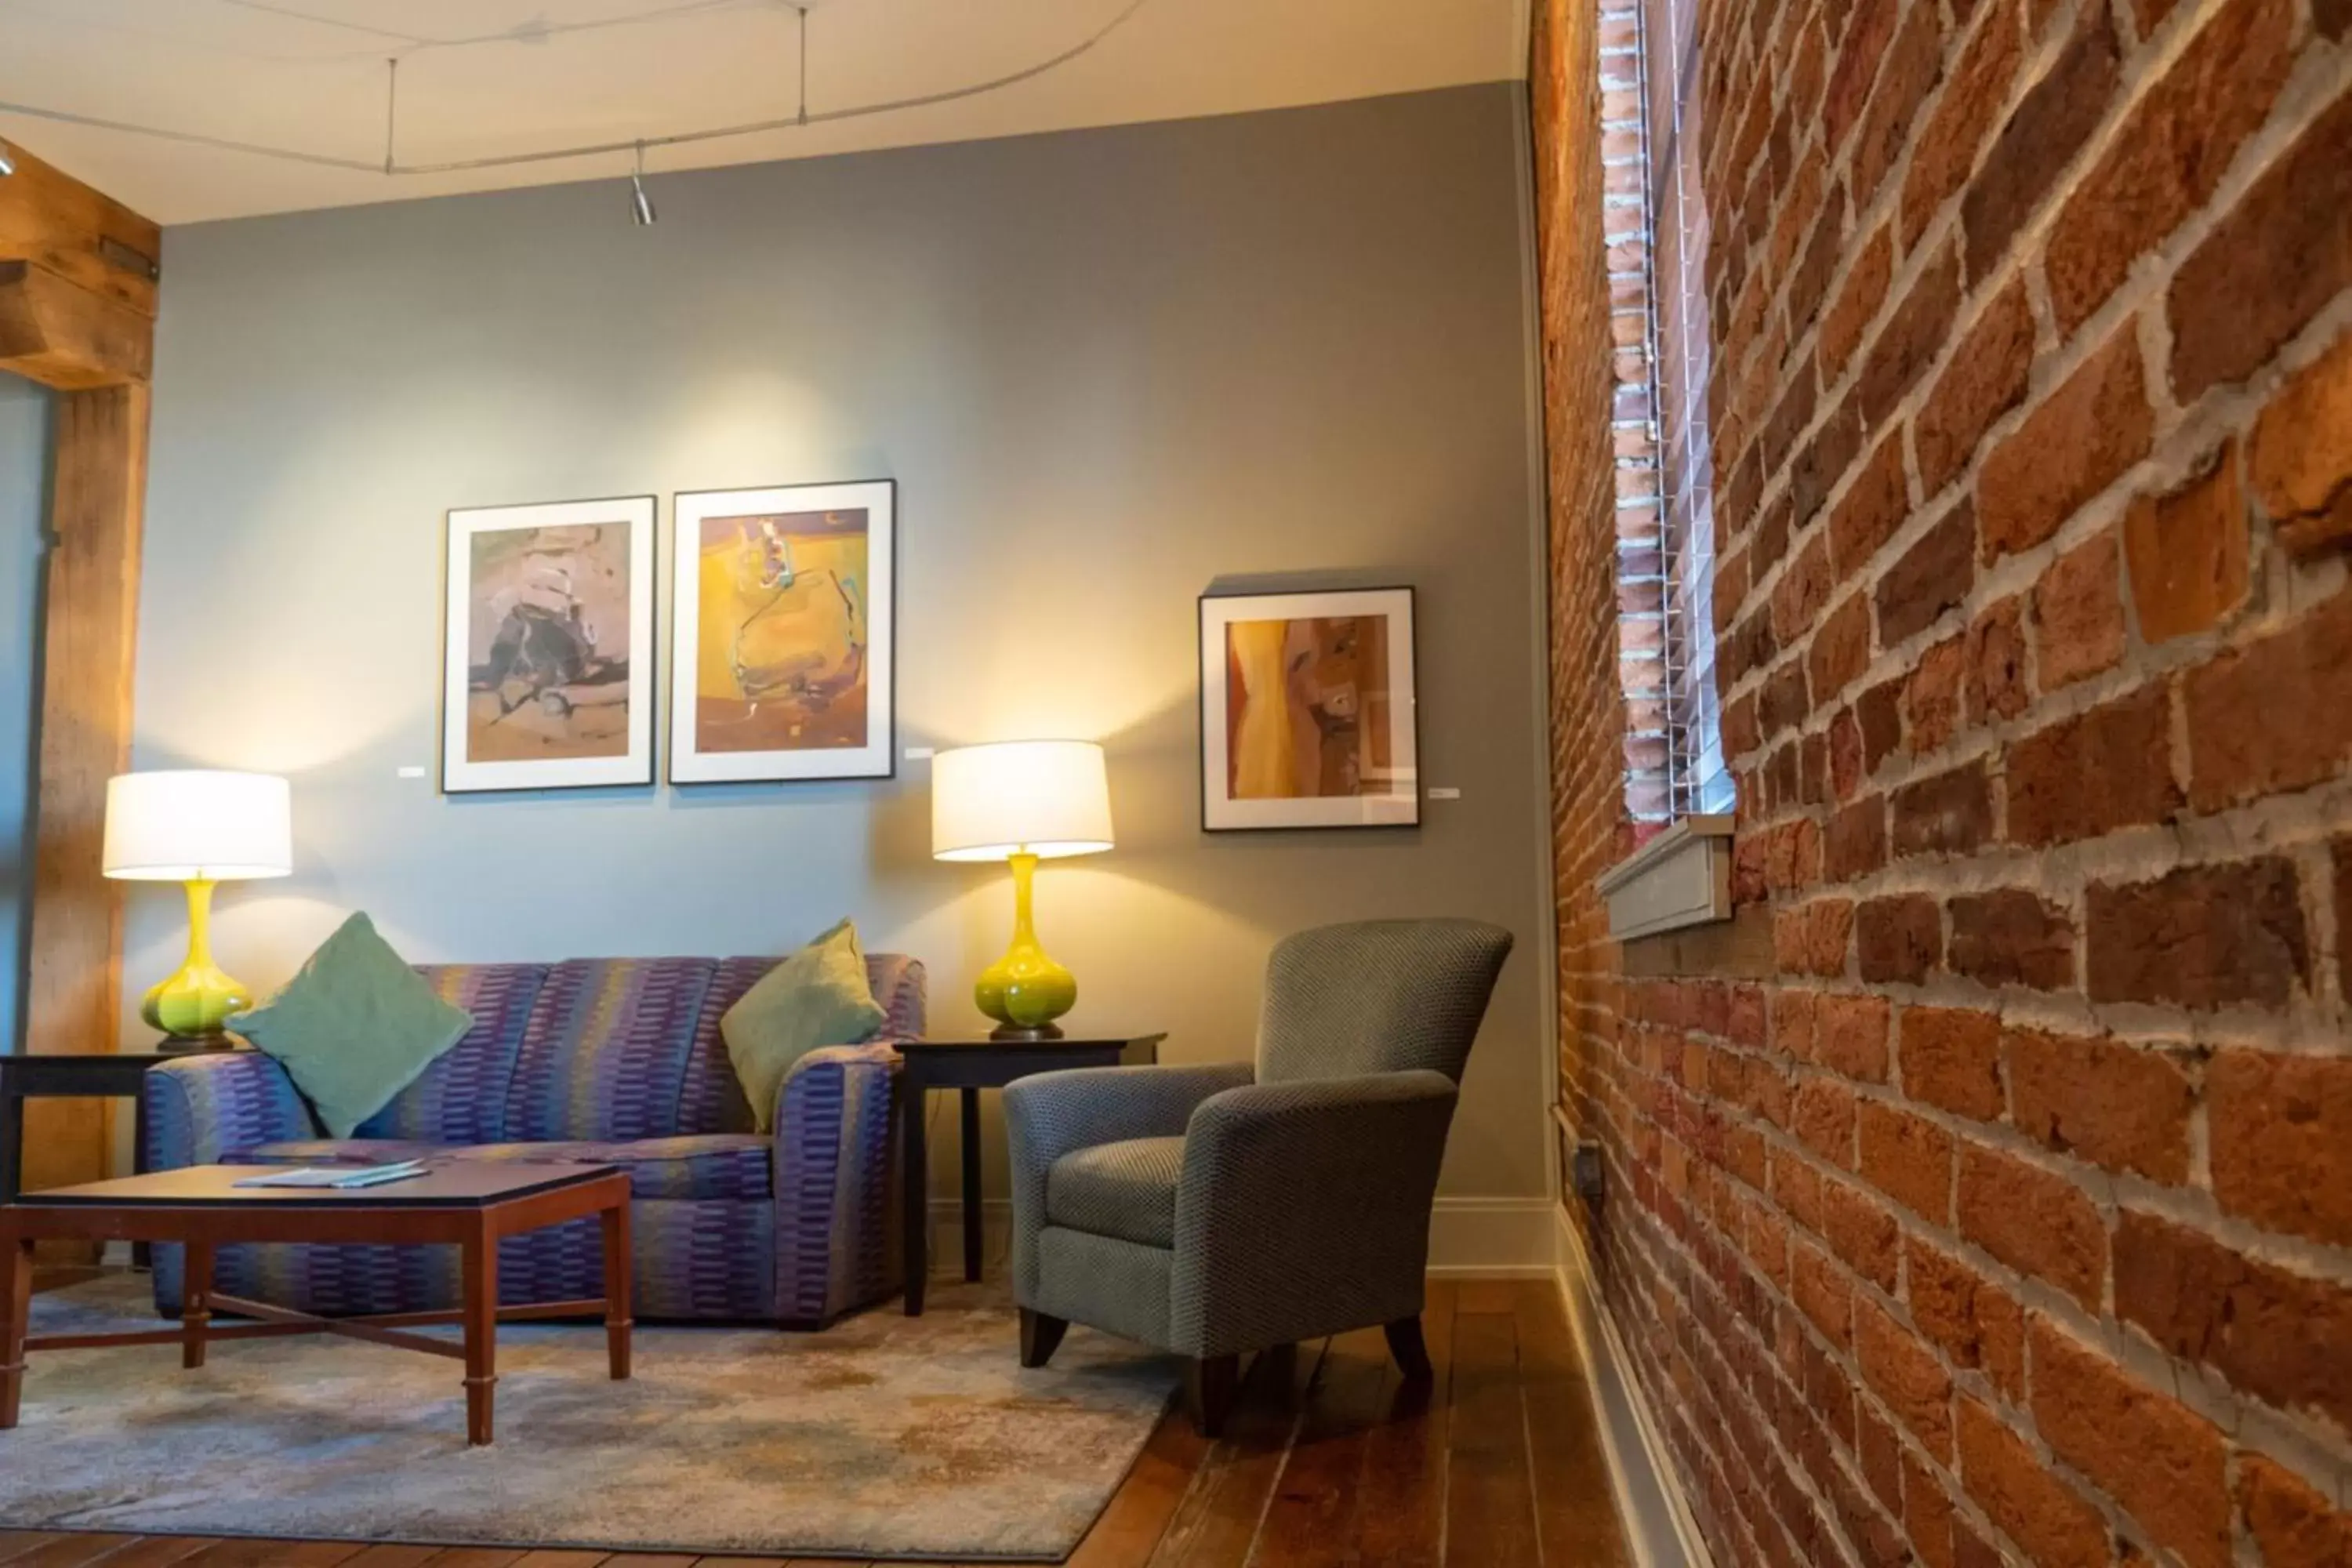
<point>16,1312</point>
<point>196,1304</point>
<point>481,1263</point>
<point>616,1288</point>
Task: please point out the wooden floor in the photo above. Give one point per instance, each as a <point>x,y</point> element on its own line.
<point>1329,1462</point>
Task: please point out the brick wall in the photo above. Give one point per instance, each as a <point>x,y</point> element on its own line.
<point>2005,1213</point>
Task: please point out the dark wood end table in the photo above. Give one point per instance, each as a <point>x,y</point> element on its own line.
<point>469,1205</point>
<point>111,1075</point>
<point>970,1066</point>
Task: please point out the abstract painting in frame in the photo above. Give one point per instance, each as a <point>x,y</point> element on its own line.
<point>548,646</point>
<point>1307,714</point>
<point>782,667</point>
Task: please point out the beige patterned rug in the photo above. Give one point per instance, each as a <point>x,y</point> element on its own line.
<point>883,1436</point>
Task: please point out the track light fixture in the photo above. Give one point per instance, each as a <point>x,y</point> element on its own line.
<point>640,203</point>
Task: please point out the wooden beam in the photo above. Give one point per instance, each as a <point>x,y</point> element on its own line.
<point>54,222</point>
<point>60,334</point>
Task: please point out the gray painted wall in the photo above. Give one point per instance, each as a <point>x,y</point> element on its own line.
<point>1106,368</point>
<point>23,495</point>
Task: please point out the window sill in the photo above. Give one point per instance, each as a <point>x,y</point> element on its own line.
<point>1681,877</point>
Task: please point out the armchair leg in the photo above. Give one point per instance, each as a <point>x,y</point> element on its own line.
<point>1040,1336</point>
<point>1210,1385</point>
<point>1411,1352</point>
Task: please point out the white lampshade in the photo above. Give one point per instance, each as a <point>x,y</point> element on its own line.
<point>1047,798</point>
<point>189,825</point>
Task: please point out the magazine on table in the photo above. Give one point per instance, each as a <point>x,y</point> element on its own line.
<point>340,1178</point>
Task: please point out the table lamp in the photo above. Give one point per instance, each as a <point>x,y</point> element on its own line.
<point>201,829</point>
<point>1022,801</point>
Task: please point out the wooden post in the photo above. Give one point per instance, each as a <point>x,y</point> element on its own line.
<point>77,286</point>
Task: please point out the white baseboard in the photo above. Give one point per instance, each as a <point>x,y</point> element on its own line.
<point>1658,1521</point>
<point>1480,1238</point>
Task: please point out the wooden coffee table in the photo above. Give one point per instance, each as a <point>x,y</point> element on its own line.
<point>465,1205</point>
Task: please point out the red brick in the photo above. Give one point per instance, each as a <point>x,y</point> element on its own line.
<point>2081,439</point>
<point>2168,157</point>
<point>2010,937</point>
<point>1850,1035</point>
<point>1869,28</point>
<point>2275,1334</point>
<point>2201,937</point>
<point>2107,768</point>
<point>2283,253</point>
<point>1908,1158</point>
<point>1978,1324</point>
<point>2123,1107</point>
<point>1912,65</point>
<point>2166,1466</point>
<point>2187,551</point>
<point>1855,844</point>
<point>1824,461</point>
<point>2295,1526</point>
<point>2048,126</point>
<point>1908,344</point>
<point>1931,699</point>
<point>1879,713</point>
<point>1998,683</point>
<point>2281,1129</point>
<point>1812,938</point>
<point>1898,939</point>
<point>1793,1024</point>
<point>1796,1188</point>
<point>1861,1231</point>
<point>1823,1117</point>
<point>2301,460</point>
<point>1951,1060</point>
<point>1907,1377</point>
<point>1821,1292</point>
<point>1985,379</point>
<point>1840,648</point>
<point>1856,304</point>
<point>1950,813</point>
<point>2033,1220</point>
<point>2078,613</point>
<point>1870,511</point>
<point>1963,117</point>
<point>2274,715</point>
<point>2042,1513</point>
<point>2334,16</point>
<point>1927,1517</point>
<point>1933,576</point>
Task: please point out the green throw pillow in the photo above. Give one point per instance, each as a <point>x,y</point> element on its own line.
<point>355,1027</point>
<point>817,997</point>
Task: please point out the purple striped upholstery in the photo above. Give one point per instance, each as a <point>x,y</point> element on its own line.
<point>728,1225</point>
<point>462,1097</point>
<point>605,1055</point>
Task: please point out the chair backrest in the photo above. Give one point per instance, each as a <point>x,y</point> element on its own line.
<point>1378,996</point>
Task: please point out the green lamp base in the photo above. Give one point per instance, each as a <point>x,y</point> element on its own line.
<point>197,1003</point>
<point>1024,991</point>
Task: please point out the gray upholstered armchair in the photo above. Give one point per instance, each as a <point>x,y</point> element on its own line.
<point>1214,1210</point>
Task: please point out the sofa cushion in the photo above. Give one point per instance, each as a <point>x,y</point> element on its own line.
<point>462,1097</point>
<point>732,1166</point>
<point>817,997</point>
<point>1126,1190</point>
<point>604,1057</point>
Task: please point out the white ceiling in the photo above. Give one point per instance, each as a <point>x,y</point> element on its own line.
<point>489,77</point>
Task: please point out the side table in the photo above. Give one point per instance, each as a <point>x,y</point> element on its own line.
<point>970,1066</point>
<point>113,1074</point>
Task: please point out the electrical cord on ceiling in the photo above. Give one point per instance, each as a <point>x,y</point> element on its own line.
<point>391,167</point>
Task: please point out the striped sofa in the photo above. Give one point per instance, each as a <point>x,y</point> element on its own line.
<point>617,1060</point>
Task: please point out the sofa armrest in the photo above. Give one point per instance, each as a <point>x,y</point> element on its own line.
<point>200,1107</point>
<point>833,1170</point>
<point>1304,1208</point>
<point>1057,1113</point>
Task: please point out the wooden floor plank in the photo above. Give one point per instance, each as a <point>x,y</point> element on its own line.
<point>1306,1521</point>
<point>276,1554</point>
<point>475,1557</point>
<point>1140,1513</point>
<point>18,1543</point>
<point>70,1550</point>
<point>156,1552</point>
<point>1403,1522</point>
<point>556,1557</point>
<point>1490,1508</point>
<point>1576,1522</point>
<point>1217,1522</point>
<point>391,1554</point>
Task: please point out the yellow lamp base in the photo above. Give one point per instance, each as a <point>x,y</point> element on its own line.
<point>197,1002</point>
<point>1025,991</point>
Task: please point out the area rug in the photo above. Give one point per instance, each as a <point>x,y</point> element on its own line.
<point>884,1437</point>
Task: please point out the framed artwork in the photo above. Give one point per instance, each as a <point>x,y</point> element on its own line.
<point>1307,714</point>
<point>784,621</point>
<point>547,647</point>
